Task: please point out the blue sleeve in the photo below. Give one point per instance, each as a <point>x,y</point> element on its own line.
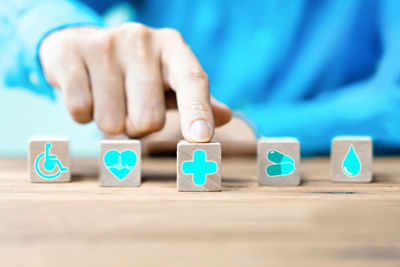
<point>366,108</point>
<point>23,25</point>
<point>370,107</point>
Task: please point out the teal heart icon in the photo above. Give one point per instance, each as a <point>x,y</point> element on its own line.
<point>120,164</point>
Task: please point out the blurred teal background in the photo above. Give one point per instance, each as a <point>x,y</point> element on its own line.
<point>25,114</point>
<point>304,68</point>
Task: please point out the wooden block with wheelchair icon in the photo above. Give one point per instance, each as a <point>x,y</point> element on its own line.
<point>49,160</point>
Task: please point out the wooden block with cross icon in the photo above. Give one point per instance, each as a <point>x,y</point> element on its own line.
<point>199,166</point>
<point>49,160</point>
<point>120,162</point>
<point>351,159</point>
<point>278,160</point>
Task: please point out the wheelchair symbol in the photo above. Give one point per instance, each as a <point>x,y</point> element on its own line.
<point>46,164</point>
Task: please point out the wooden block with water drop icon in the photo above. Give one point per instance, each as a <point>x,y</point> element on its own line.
<point>49,160</point>
<point>278,161</point>
<point>120,162</point>
<point>351,159</point>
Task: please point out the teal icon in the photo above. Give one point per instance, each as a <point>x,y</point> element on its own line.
<point>284,165</point>
<point>199,167</point>
<point>47,165</point>
<point>351,163</point>
<point>120,164</point>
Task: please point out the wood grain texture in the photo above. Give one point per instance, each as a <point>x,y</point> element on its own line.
<point>286,145</point>
<point>59,148</point>
<point>319,223</point>
<point>106,177</point>
<point>363,148</point>
<point>185,152</point>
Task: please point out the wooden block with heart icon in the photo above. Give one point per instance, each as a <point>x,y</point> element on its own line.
<point>120,163</point>
<point>278,160</point>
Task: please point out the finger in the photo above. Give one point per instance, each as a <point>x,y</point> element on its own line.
<point>107,88</point>
<point>187,78</point>
<point>73,80</point>
<point>145,102</point>
<point>143,83</point>
<point>222,113</point>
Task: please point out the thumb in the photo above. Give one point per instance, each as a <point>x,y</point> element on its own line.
<point>222,114</point>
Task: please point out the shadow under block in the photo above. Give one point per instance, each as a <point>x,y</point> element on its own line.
<point>120,163</point>
<point>199,166</point>
<point>278,161</point>
<point>351,159</point>
<point>49,160</point>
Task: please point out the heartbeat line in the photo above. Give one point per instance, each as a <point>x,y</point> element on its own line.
<point>119,166</point>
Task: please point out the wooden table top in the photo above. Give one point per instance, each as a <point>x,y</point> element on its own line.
<point>319,222</point>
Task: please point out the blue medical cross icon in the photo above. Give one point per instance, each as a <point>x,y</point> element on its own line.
<point>199,167</point>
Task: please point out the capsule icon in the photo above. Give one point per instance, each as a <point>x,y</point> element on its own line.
<point>284,165</point>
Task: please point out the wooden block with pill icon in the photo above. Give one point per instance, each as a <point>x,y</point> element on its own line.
<point>278,161</point>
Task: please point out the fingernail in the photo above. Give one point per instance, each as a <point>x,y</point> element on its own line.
<point>200,131</point>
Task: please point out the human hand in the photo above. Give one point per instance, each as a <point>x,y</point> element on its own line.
<point>126,77</point>
<point>236,137</point>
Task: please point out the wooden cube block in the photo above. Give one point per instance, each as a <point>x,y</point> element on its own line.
<point>278,160</point>
<point>199,166</point>
<point>120,163</point>
<point>351,159</point>
<point>49,160</point>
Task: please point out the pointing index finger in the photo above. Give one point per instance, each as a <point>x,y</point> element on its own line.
<point>187,78</point>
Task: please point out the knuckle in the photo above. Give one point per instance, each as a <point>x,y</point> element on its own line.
<point>80,110</point>
<point>155,121</point>
<point>137,38</point>
<point>172,34</point>
<point>196,74</point>
<point>151,122</point>
<point>110,124</point>
<point>142,34</point>
<point>103,43</point>
<point>198,107</point>
<point>76,108</point>
<point>136,33</point>
<point>66,43</point>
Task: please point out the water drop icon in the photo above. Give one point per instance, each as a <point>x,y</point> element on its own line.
<point>351,164</point>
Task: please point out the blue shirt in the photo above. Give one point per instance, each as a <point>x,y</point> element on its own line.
<point>309,69</point>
